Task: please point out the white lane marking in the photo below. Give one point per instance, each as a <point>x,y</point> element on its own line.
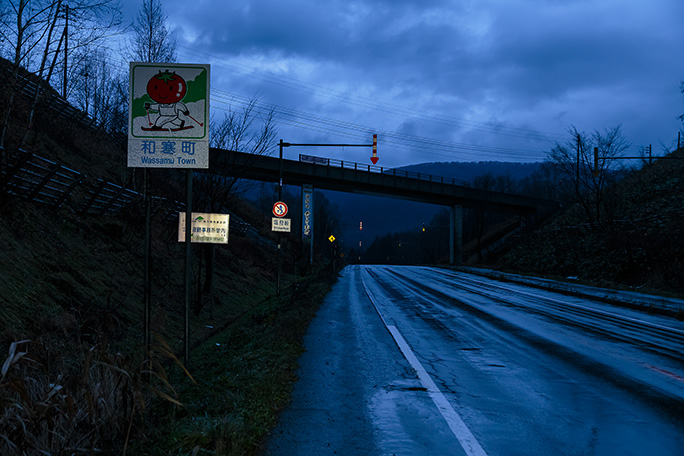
<point>466,438</point>
<point>458,427</point>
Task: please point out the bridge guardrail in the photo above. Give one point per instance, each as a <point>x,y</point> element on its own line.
<point>335,163</point>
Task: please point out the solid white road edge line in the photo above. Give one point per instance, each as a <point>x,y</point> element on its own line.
<point>468,441</point>
<point>466,438</point>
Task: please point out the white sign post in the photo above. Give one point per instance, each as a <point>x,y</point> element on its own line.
<point>168,116</point>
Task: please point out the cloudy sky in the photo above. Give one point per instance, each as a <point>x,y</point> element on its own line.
<point>442,80</point>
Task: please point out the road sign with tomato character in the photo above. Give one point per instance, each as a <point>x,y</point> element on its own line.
<point>168,115</point>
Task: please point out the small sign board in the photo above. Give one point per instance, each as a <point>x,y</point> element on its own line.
<point>168,121</point>
<point>280,224</point>
<point>313,159</point>
<point>206,228</point>
<point>280,209</point>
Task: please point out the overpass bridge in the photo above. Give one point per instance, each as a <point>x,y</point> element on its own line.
<point>344,176</point>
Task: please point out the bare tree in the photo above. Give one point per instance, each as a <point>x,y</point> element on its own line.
<point>152,41</point>
<point>32,30</point>
<point>101,91</point>
<point>248,130</point>
<point>23,28</point>
<point>576,161</point>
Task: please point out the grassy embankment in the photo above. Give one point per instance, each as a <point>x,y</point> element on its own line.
<point>72,288</point>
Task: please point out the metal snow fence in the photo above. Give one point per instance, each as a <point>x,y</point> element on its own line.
<point>38,179</point>
<point>107,197</point>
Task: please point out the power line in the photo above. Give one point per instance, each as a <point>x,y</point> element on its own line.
<point>303,120</point>
<point>397,140</point>
<point>374,104</point>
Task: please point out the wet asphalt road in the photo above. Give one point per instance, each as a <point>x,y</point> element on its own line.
<point>357,394</point>
<point>519,376</point>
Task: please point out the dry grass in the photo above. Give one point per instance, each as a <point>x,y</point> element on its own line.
<point>82,385</point>
<point>100,407</point>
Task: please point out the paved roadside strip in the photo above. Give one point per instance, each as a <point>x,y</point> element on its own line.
<point>670,307</point>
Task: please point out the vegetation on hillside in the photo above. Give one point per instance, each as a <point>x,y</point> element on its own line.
<point>75,378</point>
<point>638,243</point>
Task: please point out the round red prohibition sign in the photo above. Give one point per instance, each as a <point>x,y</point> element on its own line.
<point>280,209</point>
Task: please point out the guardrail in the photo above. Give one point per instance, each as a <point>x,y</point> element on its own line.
<point>334,163</point>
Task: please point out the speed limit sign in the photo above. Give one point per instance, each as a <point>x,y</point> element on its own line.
<point>280,209</point>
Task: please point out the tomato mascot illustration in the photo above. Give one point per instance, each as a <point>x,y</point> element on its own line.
<point>167,89</point>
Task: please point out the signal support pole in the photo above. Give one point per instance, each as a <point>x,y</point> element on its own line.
<point>374,160</point>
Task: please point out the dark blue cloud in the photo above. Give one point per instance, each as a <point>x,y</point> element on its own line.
<point>491,72</point>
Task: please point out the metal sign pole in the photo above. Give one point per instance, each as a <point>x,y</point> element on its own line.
<point>374,160</point>
<point>280,198</point>
<point>188,264</point>
<point>148,255</point>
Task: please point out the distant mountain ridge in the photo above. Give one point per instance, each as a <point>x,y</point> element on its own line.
<point>467,171</point>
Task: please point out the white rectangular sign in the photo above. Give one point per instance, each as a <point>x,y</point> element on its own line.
<point>281,224</point>
<point>168,120</point>
<point>206,228</point>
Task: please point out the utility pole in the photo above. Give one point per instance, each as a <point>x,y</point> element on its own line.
<point>66,46</point>
<point>650,154</point>
<point>578,158</point>
<point>280,198</point>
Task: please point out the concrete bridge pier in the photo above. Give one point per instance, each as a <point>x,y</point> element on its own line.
<point>456,235</point>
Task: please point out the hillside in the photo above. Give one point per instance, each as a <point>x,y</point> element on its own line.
<point>467,171</point>
<point>640,244</point>
<point>75,377</point>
